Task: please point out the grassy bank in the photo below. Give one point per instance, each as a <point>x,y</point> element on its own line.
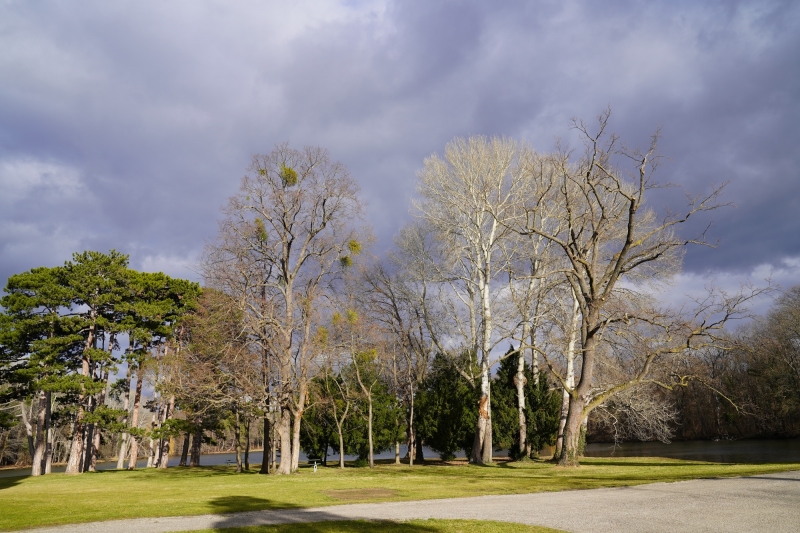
<point>60,499</point>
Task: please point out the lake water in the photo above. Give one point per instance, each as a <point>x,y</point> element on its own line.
<point>738,451</point>
<point>730,451</point>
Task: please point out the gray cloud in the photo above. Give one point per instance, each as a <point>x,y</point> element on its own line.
<point>127,125</point>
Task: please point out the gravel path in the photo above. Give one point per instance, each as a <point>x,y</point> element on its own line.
<point>764,503</point>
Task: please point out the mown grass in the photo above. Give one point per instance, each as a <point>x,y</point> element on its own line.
<point>411,526</point>
<point>60,499</point>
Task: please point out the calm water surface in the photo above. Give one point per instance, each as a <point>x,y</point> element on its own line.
<point>738,451</point>
<point>731,451</point>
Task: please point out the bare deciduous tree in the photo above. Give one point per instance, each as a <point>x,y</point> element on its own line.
<point>465,196</point>
<point>611,240</point>
<point>286,232</point>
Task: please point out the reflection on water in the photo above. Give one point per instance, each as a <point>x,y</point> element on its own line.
<point>731,451</point>
<point>215,459</point>
<point>738,451</point>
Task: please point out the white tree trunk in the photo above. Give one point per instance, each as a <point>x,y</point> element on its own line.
<point>285,435</point>
<point>137,401</point>
<point>123,445</point>
<point>570,375</point>
<point>41,436</point>
<point>369,430</point>
<point>48,423</point>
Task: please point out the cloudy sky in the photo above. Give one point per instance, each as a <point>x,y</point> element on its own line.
<point>127,124</point>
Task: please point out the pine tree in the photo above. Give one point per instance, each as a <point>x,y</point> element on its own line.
<point>541,410</point>
<point>447,409</point>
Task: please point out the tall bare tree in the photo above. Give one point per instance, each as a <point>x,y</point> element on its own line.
<point>464,198</point>
<point>613,243</point>
<point>288,230</point>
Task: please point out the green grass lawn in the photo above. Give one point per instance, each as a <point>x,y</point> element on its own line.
<point>412,526</point>
<point>60,499</point>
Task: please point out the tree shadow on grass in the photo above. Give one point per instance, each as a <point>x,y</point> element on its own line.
<point>246,513</point>
<point>8,482</point>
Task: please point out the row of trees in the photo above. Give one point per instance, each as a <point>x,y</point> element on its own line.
<point>554,253</point>
<point>61,336</point>
<point>755,386</point>
<point>557,253</point>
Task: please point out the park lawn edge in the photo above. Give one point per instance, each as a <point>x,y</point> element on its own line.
<point>43,509</point>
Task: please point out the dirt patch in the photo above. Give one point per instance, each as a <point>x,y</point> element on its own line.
<point>360,494</point>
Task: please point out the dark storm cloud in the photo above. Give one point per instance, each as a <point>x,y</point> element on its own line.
<point>127,125</point>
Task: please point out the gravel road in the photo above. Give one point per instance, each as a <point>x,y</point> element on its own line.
<point>765,503</point>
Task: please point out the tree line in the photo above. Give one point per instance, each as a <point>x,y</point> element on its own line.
<point>518,310</point>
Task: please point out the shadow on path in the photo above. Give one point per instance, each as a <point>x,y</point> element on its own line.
<point>314,521</point>
<point>773,478</point>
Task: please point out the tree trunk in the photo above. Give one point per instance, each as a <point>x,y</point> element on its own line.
<point>572,433</point>
<point>123,445</point>
<point>369,429</point>
<point>485,405</point>
<point>28,428</point>
<point>76,449</point>
<point>578,400</point>
<point>197,441</point>
<point>267,445</point>
<point>520,380</point>
<point>153,447</point>
<point>94,435</point>
<point>185,449</point>
<point>166,441</point>
<point>412,448</point>
<point>94,448</point>
<point>151,450</point>
<point>285,435</point>
<point>88,438</point>
<point>273,449</point>
<point>237,438</point>
<point>297,420</point>
<point>247,443</point>
<point>3,441</point>
<point>341,443</point>
<point>137,402</point>
<point>75,463</point>
<point>41,436</point>
<point>570,377</point>
<point>482,446</point>
<point>48,422</point>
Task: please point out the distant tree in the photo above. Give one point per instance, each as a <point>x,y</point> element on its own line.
<point>335,405</point>
<point>213,369</point>
<point>373,428</point>
<point>319,430</point>
<point>774,360</point>
<point>390,301</point>
<point>754,385</point>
